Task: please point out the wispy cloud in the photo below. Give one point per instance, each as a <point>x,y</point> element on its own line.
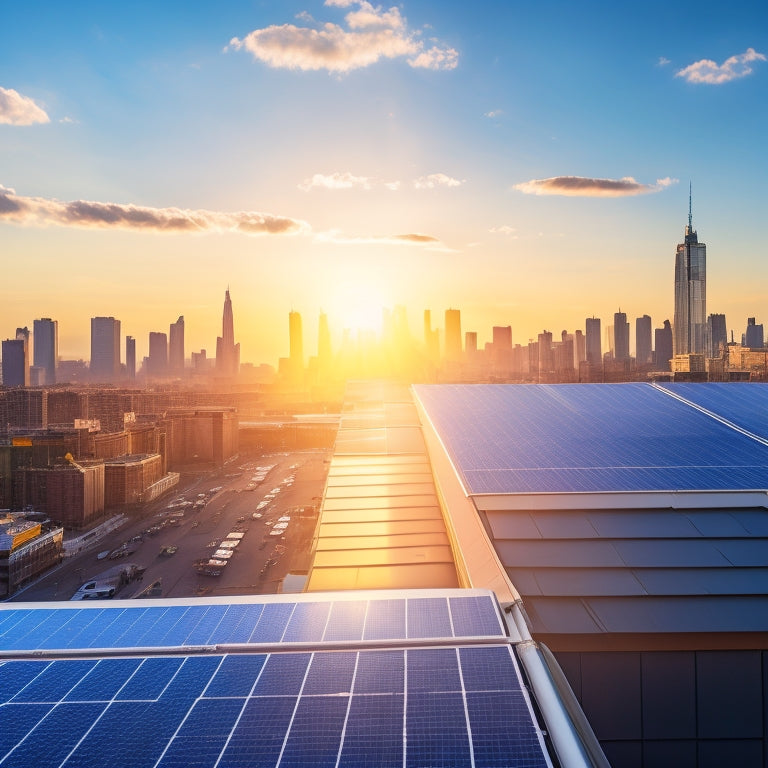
<point>580,186</point>
<point>504,229</point>
<point>708,71</point>
<point>415,239</point>
<point>95,215</point>
<point>371,34</point>
<point>436,180</point>
<point>16,109</point>
<point>663,61</point>
<point>493,113</point>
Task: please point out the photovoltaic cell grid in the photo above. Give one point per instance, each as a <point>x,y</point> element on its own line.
<point>449,706</point>
<point>126,626</point>
<point>588,438</point>
<point>742,403</point>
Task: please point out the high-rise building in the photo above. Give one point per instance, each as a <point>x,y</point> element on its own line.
<point>176,347</point>
<point>130,356</point>
<point>643,334</point>
<point>324,355</point>
<point>620,336</point>
<point>690,326</point>
<point>754,338</point>
<point>594,347</point>
<point>453,346</point>
<point>15,368</point>
<point>46,347</point>
<point>579,348</point>
<point>157,362</point>
<point>105,349</point>
<point>227,352</point>
<point>431,338</point>
<point>717,333</point>
<point>295,343</point>
<point>662,344</point>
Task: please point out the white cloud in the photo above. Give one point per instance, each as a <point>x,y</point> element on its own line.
<point>663,61</point>
<point>708,71</point>
<point>16,109</point>
<point>494,113</point>
<point>347,180</point>
<point>335,181</point>
<point>504,229</point>
<point>96,215</point>
<point>371,34</point>
<point>436,180</point>
<point>580,186</point>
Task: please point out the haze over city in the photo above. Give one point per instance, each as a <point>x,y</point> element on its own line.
<point>529,164</point>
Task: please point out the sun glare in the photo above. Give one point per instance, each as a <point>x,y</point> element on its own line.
<point>357,306</point>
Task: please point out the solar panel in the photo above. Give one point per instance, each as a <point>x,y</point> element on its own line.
<point>588,438</point>
<point>438,706</point>
<point>145,625</point>
<point>429,697</point>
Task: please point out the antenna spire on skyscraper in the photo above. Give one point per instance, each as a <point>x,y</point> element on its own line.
<point>690,207</point>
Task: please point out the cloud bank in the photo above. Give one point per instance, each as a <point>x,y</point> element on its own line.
<point>711,73</point>
<point>16,109</point>
<point>580,186</point>
<point>96,215</point>
<point>371,34</point>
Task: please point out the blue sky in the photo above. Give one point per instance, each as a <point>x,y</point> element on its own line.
<point>347,156</point>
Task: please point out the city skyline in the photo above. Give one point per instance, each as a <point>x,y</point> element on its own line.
<point>426,155</point>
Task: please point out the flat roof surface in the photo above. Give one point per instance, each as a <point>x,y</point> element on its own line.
<point>381,525</point>
<point>424,678</point>
<point>590,438</point>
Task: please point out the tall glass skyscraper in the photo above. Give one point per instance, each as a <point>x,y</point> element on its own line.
<point>690,327</point>
<point>227,352</point>
<point>46,347</point>
<point>105,349</point>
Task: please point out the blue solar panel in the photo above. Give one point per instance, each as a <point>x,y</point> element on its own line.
<point>127,625</point>
<point>410,705</point>
<point>588,438</point>
<point>742,403</point>
<point>359,708</point>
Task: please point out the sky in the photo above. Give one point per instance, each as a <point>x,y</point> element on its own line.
<point>527,163</point>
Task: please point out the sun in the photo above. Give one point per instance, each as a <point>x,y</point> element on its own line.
<point>357,306</point>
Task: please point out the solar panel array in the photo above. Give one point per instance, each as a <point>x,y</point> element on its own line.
<point>127,625</point>
<point>447,701</point>
<point>588,438</point>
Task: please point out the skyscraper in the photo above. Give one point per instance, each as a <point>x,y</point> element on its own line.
<point>453,335</point>
<point>620,336</point>
<point>130,357</point>
<point>176,347</point>
<point>46,347</point>
<point>690,327</point>
<point>157,362</point>
<point>643,348</point>
<point>295,343</point>
<point>754,338</point>
<point>227,352</point>
<point>105,349</point>
<point>718,334</point>
<point>662,344</point>
<point>593,341</point>
<point>15,368</point>
<point>323,341</point>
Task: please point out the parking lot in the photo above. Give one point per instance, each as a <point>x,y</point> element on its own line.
<point>241,530</point>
